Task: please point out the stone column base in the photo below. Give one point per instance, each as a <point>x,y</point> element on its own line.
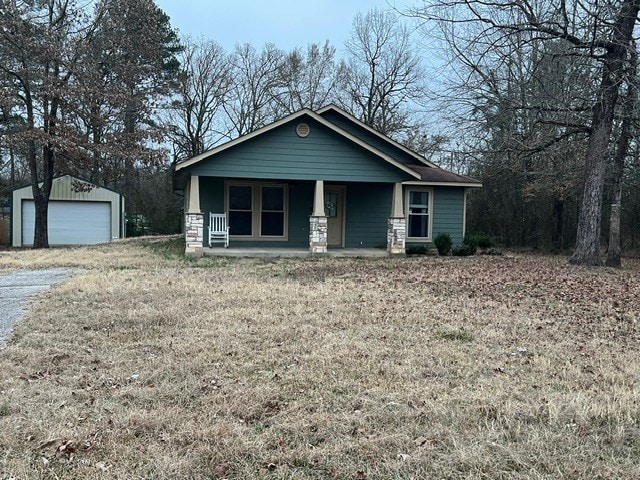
<point>194,233</point>
<point>318,234</point>
<point>396,235</point>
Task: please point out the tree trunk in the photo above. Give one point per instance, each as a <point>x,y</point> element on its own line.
<point>129,130</point>
<point>13,167</point>
<point>557,239</point>
<point>587,251</point>
<point>615,244</point>
<point>615,247</point>
<point>41,231</point>
<point>41,195</point>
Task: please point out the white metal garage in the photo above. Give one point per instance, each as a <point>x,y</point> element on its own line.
<point>79,214</point>
<point>70,223</point>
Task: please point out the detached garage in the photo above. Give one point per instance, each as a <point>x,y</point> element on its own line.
<point>79,214</point>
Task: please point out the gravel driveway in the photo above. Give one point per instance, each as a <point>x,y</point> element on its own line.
<point>16,290</point>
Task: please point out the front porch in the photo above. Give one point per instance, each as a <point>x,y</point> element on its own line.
<point>293,218</point>
<point>257,252</point>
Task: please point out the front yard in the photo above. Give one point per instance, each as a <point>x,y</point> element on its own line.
<point>147,365</point>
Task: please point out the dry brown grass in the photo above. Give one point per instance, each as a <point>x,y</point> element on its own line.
<point>119,254</point>
<point>485,367</point>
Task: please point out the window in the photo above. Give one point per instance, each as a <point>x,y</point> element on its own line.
<point>272,211</point>
<point>240,210</point>
<point>257,211</point>
<point>418,214</point>
<point>331,204</point>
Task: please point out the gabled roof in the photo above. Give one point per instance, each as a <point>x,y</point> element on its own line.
<point>73,177</point>
<point>423,171</point>
<point>287,119</point>
<point>348,116</point>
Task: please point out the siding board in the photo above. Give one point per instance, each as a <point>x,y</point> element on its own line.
<point>448,206</point>
<point>369,137</point>
<point>367,212</point>
<point>280,154</point>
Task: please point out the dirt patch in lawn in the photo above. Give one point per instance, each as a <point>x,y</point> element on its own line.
<point>519,367</point>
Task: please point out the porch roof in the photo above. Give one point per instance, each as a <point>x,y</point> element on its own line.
<point>440,176</point>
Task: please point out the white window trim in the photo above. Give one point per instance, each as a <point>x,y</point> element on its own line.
<point>256,210</point>
<point>407,195</point>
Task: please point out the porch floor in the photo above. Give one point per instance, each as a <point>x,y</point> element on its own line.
<point>256,252</point>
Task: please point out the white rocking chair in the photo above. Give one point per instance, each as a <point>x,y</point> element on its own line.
<point>218,229</point>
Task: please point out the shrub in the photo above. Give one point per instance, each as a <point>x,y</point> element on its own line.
<point>443,243</point>
<point>464,250</point>
<point>485,241</point>
<point>417,249</point>
<point>481,240</point>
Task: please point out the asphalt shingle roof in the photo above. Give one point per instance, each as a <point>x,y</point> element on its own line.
<point>435,174</point>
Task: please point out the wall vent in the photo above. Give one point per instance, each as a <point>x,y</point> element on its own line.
<point>302,130</point>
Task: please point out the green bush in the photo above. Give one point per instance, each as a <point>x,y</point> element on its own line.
<point>481,240</point>
<point>443,243</point>
<point>485,241</point>
<point>464,250</point>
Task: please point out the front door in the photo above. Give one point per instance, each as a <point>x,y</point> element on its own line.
<point>334,210</point>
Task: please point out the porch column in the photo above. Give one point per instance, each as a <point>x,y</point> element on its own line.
<point>397,224</point>
<point>318,221</point>
<point>194,219</point>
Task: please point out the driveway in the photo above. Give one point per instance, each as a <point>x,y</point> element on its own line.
<point>16,290</point>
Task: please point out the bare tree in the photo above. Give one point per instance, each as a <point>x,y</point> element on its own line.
<point>382,74</point>
<point>307,79</point>
<point>597,32</point>
<point>615,51</point>
<point>203,85</point>
<point>625,135</point>
<point>250,103</point>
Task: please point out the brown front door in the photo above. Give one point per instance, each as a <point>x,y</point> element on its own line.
<point>334,210</point>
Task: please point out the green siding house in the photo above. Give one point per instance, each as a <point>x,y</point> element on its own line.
<point>320,180</point>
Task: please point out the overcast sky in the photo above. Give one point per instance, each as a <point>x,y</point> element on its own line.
<point>287,23</point>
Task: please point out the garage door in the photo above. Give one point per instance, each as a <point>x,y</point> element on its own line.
<point>70,223</point>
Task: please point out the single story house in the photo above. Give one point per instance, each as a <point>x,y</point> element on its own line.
<point>320,180</point>
<point>80,213</point>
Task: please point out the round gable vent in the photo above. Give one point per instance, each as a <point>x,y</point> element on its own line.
<point>302,130</point>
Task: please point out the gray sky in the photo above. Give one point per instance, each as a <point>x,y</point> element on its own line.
<point>287,23</point>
